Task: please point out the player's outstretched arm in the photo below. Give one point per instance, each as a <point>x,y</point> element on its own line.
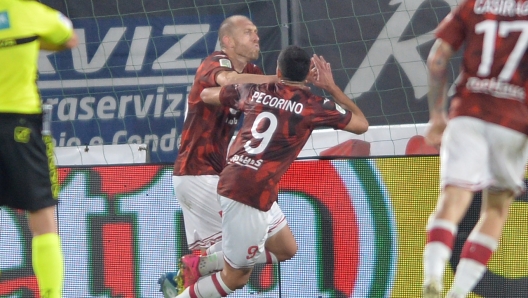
<point>211,95</point>
<point>321,76</point>
<point>232,78</point>
<point>437,63</point>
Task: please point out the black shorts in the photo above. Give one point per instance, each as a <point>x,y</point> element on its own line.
<point>28,177</point>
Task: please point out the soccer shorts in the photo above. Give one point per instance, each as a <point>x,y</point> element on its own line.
<point>245,230</point>
<point>476,155</point>
<point>202,214</point>
<point>28,177</point>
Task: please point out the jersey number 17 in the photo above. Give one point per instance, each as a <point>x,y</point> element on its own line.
<point>489,28</point>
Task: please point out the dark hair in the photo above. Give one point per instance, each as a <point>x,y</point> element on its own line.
<point>294,63</point>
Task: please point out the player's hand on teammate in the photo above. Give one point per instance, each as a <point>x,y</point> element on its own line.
<point>321,73</point>
<point>435,130</point>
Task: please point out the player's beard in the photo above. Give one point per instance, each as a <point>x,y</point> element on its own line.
<point>251,53</point>
<point>254,54</point>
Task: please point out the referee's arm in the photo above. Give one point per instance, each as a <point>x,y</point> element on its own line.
<point>69,44</point>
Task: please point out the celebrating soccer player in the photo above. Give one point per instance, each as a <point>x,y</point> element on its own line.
<point>278,120</point>
<point>207,131</point>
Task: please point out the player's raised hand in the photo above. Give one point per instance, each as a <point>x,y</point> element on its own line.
<point>323,77</point>
<point>312,75</point>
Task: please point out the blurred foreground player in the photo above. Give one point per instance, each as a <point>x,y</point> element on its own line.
<point>484,145</point>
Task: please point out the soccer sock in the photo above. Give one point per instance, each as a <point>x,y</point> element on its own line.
<point>211,263</point>
<point>214,248</point>
<point>475,255</point>
<point>215,262</point>
<point>48,264</point>
<point>211,286</point>
<point>440,240</point>
<point>267,258</point>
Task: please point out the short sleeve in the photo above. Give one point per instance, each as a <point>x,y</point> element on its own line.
<point>211,67</point>
<point>328,113</point>
<point>216,63</point>
<point>56,28</point>
<point>452,28</point>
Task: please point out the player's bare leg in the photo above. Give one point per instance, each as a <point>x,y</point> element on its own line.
<point>279,247</point>
<point>482,242</point>
<point>42,221</point>
<point>441,230</point>
<point>282,245</point>
<point>235,278</point>
<point>46,252</point>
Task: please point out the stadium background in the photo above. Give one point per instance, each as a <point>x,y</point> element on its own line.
<point>128,79</point>
<point>359,222</point>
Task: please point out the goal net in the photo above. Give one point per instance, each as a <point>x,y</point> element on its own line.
<point>128,80</point>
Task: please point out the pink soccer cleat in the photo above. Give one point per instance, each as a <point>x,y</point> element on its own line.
<point>189,272</point>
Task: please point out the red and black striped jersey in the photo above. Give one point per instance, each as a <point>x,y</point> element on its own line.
<point>278,120</point>
<point>494,73</point>
<point>207,129</point>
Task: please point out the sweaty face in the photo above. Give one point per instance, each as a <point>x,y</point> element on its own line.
<point>246,40</point>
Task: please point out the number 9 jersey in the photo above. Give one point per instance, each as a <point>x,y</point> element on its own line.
<point>493,80</point>
<point>278,120</point>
